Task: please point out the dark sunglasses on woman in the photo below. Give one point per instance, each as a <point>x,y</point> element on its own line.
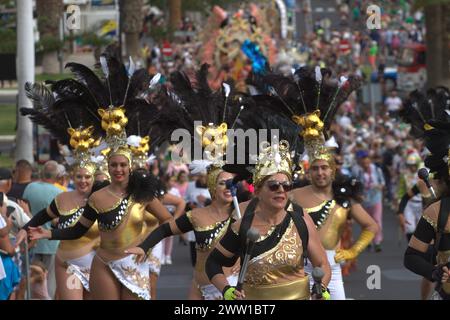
<point>275,185</point>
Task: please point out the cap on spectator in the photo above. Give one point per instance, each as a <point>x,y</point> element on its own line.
<point>361,154</point>
<point>5,174</point>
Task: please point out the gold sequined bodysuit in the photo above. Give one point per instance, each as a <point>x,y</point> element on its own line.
<point>330,223</point>
<point>126,217</point>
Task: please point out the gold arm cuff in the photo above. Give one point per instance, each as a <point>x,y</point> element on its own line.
<point>364,240</point>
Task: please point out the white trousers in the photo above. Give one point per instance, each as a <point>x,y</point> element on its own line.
<point>336,285</point>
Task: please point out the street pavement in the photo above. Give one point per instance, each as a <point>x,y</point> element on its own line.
<point>394,282</point>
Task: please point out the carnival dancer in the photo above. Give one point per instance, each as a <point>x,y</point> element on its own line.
<point>119,208</point>
<point>208,223</point>
<point>276,266</point>
<point>310,99</point>
<point>73,127</point>
<point>434,224</point>
<point>429,119</point>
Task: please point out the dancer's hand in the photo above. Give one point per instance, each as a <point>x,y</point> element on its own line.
<point>343,255</point>
<point>36,233</point>
<point>325,295</point>
<point>231,293</point>
<point>139,252</point>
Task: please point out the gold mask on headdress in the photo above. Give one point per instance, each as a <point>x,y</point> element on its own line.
<point>140,153</point>
<point>312,134</point>
<point>81,141</point>
<point>214,139</point>
<point>113,120</point>
<point>273,159</point>
<point>312,125</point>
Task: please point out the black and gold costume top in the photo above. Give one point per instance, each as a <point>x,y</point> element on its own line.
<point>126,217</point>
<point>275,255</point>
<point>206,236</point>
<point>67,219</point>
<point>329,219</point>
<point>276,266</point>
<point>320,213</point>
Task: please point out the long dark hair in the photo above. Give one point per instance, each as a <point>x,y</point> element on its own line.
<point>143,186</point>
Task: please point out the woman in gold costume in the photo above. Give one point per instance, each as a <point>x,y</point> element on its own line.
<point>74,257</point>
<point>309,100</point>
<point>120,208</point>
<point>276,266</point>
<point>208,223</point>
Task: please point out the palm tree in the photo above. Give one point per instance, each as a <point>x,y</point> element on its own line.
<point>437,23</point>
<point>131,19</point>
<point>49,14</point>
<point>174,14</point>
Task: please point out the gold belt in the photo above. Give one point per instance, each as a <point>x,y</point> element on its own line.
<point>293,290</point>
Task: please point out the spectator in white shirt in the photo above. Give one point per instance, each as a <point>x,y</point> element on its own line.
<point>393,103</point>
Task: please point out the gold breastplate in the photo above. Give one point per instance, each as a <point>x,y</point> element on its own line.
<point>151,222</point>
<point>130,229</point>
<point>273,266</point>
<point>331,229</point>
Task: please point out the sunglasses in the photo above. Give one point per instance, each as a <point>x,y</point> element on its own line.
<point>275,185</point>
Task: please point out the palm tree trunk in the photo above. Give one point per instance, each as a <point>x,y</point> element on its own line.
<point>131,19</point>
<point>50,63</point>
<point>174,14</point>
<point>445,70</point>
<point>49,14</point>
<point>433,24</point>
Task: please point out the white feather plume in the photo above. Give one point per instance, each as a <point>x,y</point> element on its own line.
<point>331,143</point>
<point>318,74</point>
<point>134,141</point>
<point>131,68</point>
<point>342,81</point>
<point>199,166</point>
<point>155,80</point>
<point>104,65</point>
<point>226,88</point>
<point>151,159</point>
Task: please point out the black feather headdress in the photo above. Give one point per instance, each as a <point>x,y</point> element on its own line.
<point>310,99</point>
<point>429,116</point>
<point>57,110</point>
<point>192,105</point>
<point>419,109</point>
